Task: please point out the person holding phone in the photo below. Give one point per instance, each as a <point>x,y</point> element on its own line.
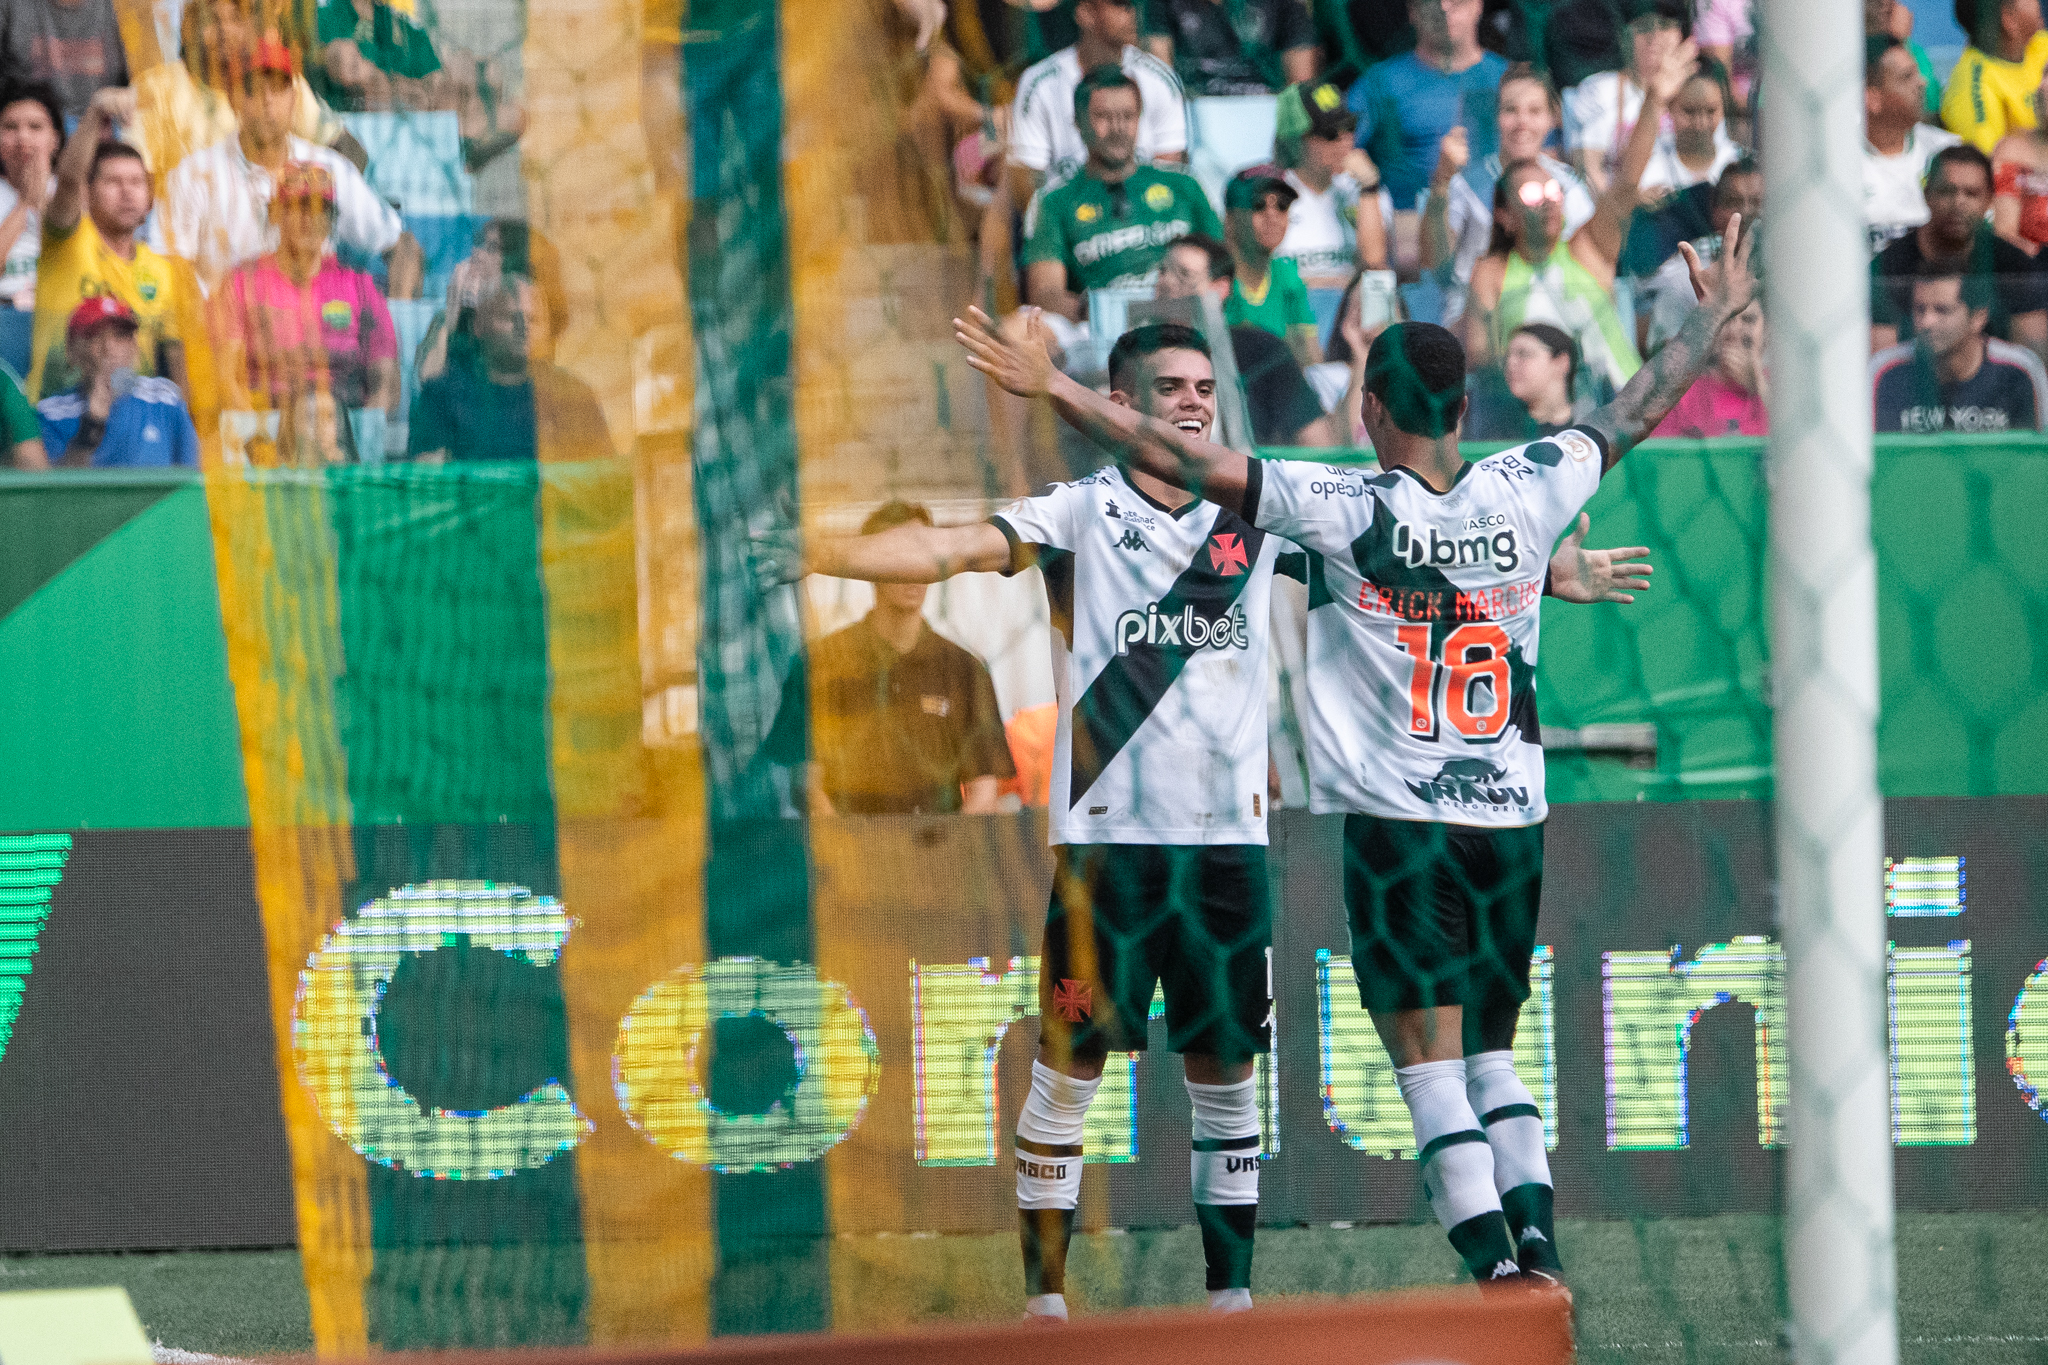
<point>114,416</point>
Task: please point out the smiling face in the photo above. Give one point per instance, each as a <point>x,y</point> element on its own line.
<point>1526,120</point>
<point>1176,386</point>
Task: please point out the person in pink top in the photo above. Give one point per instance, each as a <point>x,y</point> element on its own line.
<point>305,336</point>
<point>1731,398</point>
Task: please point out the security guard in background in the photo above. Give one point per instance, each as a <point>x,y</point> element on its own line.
<point>903,721</point>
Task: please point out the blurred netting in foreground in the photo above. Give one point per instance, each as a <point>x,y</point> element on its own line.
<point>679,1060</point>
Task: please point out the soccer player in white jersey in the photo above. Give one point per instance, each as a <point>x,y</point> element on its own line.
<point>1158,806</point>
<point>1423,719</point>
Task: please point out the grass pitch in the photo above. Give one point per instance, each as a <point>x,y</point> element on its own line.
<point>1972,1287</point>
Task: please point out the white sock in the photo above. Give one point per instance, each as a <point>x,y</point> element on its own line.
<point>1457,1164</point>
<point>1223,1167</point>
<point>1514,1126</point>
<point>1049,1139</point>
<point>1229,1300</point>
<point>1046,1306</point>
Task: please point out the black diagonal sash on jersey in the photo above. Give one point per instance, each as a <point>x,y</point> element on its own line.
<point>1131,684</point>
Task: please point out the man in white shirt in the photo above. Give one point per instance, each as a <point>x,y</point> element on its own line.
<point>218,200</point>
<point>1897,147</point>
<point>1045,142</point>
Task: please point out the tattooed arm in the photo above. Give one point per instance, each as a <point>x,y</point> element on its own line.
<point>1659,385</point>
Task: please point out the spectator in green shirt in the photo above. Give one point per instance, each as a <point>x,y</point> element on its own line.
<point>1108,226</point>
<point>20,428</point>
<point>1267,292</point>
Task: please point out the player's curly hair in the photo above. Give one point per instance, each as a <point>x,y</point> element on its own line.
<point>1418,370</point>
<point>1150,339</point>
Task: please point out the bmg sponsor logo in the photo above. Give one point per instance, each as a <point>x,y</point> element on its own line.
<point>1484,540</point>
<point>1154,627</point>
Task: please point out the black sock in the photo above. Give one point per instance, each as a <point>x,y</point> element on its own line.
<point>1044,1235</point>
<point>1486,1246</point>
<point>1528,1209</point>
<point>1227,1233</point>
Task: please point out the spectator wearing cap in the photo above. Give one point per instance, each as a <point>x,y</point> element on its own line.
<point>90,249</point>
<point>1046,143</point>
<point>1282,405</point>
<point>1956,240</point>
<point>1951,376</point>
<point>1233,47</point>
<point>1407,104</point>
<point>218,205</point>
<point>73,46</point>
<point>299,333</point>
<point>902,721</point>
<point>1601,111</point>
<point>1337,223</point>
<point>1991,91</point>
<point>182,106</point>
<point>1108,225</point>
<point>114,417</point>
<point>496,400</point>
<point>31,131</point>
<point>1897,146</point>
<point>1267,290</point>
<point>1457,222</point>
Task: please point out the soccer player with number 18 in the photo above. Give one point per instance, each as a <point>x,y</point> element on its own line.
<point>1422,725</point>
<point>1159,603</point>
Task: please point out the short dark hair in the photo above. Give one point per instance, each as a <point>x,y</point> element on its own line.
<point>895,512</point>
<point>36,92</point>
<point>1150,339</point>
<point>1961,154</point>
<point>111,151</point>
<point>1741,165</point>
<point>1222,266</point>
<point>1105,77</point>
<point>1536,76</point>
<point>1558,342</point>
<point>1418,370</point>
<point>1975,289</point>
<point>1875,48</point>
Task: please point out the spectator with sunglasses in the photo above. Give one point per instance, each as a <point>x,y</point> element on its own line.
<point>1533,273</point>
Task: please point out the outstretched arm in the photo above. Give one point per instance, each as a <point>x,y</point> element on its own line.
<point>1659,385</point>
<point>1018,359</point>
<point>901,554</point>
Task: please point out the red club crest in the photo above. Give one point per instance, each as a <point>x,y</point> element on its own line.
<point>1073,999</point>
<point>1226,555</point>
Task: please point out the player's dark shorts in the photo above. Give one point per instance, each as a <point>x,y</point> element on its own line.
<point>1443,915</point>
<point>1196,919</point>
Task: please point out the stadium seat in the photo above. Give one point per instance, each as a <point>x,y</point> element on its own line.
<point>1225,134</point>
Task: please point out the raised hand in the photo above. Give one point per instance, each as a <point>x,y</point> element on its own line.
<point>1674,71</point>
<point>776,556</point>
<point>1588,576</point>
<point>1018,356</point>
<point>1453,155</point>
<point>1729,286</point>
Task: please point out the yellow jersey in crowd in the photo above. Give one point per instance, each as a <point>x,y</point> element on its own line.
<point>1989,97</point>
<point>78,265</point>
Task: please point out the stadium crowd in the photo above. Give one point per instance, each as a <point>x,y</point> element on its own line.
<point>1520,173</point>
<point>267,243</point>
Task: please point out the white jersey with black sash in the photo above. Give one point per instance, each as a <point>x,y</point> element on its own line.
<point>1160,631</point>
<point>1424,610</point>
